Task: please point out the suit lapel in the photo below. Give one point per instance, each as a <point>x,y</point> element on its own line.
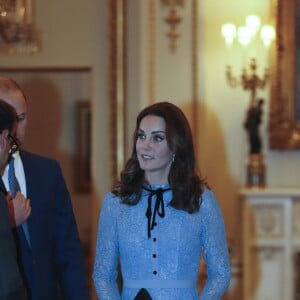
<point>2,186</point>
<point>25,157</point>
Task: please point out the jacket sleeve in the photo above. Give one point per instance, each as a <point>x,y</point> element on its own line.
<point>215,249</point>
<point>107,251</point>
<point>68,250</point>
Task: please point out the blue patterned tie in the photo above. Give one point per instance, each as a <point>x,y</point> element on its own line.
<point>14,188</point>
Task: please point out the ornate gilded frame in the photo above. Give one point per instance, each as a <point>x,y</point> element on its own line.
<point>117,86</point>
<point>284,129</point>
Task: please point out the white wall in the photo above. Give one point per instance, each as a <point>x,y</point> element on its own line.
<point>221,139</point>
<point>75,34</point>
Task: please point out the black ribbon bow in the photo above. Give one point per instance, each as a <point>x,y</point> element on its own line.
<point>159,207</point>
<point>142,295</point>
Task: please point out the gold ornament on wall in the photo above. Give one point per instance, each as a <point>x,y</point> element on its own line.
<point>17,29</point>
<point>173,19</point>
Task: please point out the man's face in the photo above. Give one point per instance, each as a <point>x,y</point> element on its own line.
<point>17,100</point>
<point>6,145</point>
<point>4,149</point>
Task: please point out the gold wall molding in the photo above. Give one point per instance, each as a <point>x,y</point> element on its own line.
<point>173,19</point>
<point>152,50</point>
<point>117,86</point>
<point>284,129</point>
<point>194,68</point>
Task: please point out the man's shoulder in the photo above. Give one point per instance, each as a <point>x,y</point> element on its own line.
<point>28,156</point>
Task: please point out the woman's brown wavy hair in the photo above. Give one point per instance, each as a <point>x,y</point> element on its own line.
<point>187,186</point>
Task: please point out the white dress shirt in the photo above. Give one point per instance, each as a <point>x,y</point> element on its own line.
<point>19,171</point>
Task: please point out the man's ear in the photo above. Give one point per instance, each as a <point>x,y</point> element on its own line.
<point>5,132</point>
<point>3,136</point>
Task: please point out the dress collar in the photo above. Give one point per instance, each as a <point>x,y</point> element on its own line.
<point>156,186</point>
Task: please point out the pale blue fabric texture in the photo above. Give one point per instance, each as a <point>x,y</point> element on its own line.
<point>171,255</point>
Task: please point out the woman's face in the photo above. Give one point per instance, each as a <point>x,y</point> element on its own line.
<point>153,152</point>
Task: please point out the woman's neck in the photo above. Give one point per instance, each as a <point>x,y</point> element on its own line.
<point>154,180</point>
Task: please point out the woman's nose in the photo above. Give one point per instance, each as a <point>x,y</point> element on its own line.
<point>147,143</point>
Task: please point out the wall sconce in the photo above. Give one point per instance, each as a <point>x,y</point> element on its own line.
<point>173,19</point>
<point>247,35</point>
<point>16,27</point>
<point>249,80</point>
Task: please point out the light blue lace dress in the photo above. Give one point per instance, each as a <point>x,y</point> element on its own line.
<point>167,263</point>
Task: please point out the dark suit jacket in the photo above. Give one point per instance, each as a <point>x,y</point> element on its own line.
<point>55,257</point>
<point>11,285</point>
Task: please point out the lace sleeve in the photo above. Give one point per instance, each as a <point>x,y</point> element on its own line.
<point>215,249</point>
<point>107,251</point>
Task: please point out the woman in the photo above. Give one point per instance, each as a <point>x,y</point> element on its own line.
<point>160,218</point>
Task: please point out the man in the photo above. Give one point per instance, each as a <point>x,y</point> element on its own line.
<point>11,284</point>
<point>52,256</point>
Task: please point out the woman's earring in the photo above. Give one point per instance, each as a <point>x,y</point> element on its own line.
<point>173,158</point>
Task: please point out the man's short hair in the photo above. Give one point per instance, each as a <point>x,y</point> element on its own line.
<point>7,116</point>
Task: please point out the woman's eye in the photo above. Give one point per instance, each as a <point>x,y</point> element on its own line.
<point>140,136</point>
<point>158,138</point>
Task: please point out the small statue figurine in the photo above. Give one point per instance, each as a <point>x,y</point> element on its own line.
<point>252,123</point>
<point>255,167</point>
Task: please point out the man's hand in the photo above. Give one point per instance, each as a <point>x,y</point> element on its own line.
<point>19,209</point>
